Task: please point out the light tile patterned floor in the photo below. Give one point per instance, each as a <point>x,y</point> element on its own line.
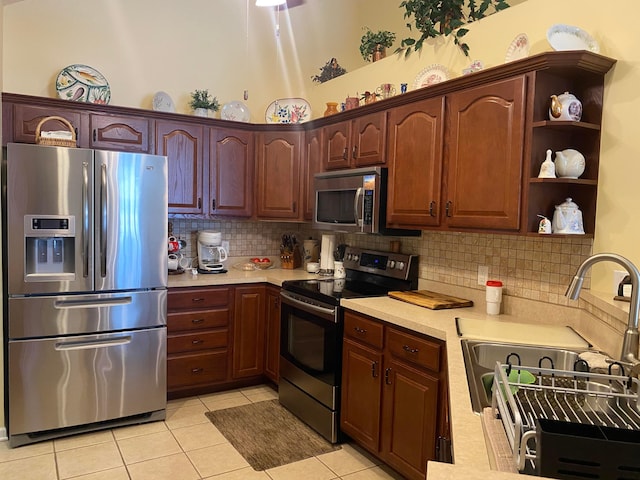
<point>186,446</point>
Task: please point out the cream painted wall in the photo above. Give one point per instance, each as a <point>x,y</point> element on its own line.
<point>226,46</point>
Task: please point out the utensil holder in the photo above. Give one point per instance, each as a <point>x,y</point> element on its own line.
<point>291,260</point>
<point>56,142</point>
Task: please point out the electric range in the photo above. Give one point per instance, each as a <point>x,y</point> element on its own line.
<point>312,328</point>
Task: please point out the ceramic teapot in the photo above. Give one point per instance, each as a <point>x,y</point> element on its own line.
<point>569,163</point>
<point>565,107</point>
<point>567,219</point>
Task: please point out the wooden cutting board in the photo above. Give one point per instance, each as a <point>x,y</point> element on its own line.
<point>432,300</point>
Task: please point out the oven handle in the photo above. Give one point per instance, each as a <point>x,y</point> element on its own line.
<point>316,309</point>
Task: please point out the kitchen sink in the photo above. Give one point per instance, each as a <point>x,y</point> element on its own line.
<point>480,359</point>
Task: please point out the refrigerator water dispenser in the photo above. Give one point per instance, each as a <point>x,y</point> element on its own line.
<point>49,248</point>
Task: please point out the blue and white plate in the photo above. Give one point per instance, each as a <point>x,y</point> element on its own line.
<point>288,110</point>
<point>81,83</point>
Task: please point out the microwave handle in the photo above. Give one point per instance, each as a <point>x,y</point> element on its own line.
<point>356,202</point>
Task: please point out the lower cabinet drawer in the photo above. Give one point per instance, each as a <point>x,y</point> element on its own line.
<point>190,342</point>
<point>198,320</point>
<point>414,349</point>
<point>196,368</point>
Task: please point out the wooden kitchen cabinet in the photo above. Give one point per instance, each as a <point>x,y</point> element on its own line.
<point>231,165</point>
<point>390,393</point>
<point>248,332</point>
<point>183,144</point>
<point>485,139</point>
<point>414,157</point>
<point>356,143</point>
<point>314,145</point>
<point>278,175</point>
<point>119,132</point>
<point>272,334</point>
<point>198,321</point>
<point>21,120</point>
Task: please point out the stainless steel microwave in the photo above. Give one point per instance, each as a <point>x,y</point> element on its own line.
<point>354,201</point>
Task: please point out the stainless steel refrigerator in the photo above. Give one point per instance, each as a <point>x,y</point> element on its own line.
<point>85,255</point>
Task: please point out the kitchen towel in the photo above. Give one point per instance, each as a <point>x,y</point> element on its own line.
<point>326,252</point>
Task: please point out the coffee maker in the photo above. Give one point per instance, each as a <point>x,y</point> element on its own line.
<point>211,254</point>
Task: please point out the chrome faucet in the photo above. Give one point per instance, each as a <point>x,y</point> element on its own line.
<point>628,356</point>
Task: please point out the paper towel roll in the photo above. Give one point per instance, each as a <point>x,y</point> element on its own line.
<point>326,252</point>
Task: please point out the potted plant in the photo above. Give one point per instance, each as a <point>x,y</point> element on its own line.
<point>201,103</point>
<point>373,45</point>
<point>330,70</point>
<point>438,17</point>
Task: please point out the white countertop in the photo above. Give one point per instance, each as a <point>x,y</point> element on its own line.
<point>469,448</point>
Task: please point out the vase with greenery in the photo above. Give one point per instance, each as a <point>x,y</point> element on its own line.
<point>432,18</point>
<point>201,102</point>
<point>331,69</point>
<point>373,45</point>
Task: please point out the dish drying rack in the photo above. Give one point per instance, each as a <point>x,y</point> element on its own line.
<point>590,399</point>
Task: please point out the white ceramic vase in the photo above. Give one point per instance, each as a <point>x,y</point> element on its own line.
<point>201,112</point>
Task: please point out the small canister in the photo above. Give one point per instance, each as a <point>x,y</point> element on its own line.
<point>494,296</point>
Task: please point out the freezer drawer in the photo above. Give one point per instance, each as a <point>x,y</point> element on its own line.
<point>52,316</point>
<point>69,381</point>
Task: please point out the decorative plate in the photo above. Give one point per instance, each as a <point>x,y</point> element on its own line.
<point>236,111</point>
<point>288,110</point>
<point>568,37</point>
<point>518,49</point>
<point>162,102</point>
<point>476,66</point>
<point>82,83</point>
<point>431,75</point>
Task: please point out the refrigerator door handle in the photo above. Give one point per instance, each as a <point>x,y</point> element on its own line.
<point>85,219</point>
<point>103,220</point>
<point>92,303</point>
<point>93,344</point>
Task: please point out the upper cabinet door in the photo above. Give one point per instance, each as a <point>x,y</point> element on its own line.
<point>128,134</point>
<point>369,139</point>
<point>415,164</point>
<point>337,153</point>
<point>312,165</point>
<point>182,143</point>
<point>231,163</point>
<point>485,145</point>
<point>27,117</point>
<point>278,175</point>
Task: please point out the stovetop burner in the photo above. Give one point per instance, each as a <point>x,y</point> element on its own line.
<point>369,274</point>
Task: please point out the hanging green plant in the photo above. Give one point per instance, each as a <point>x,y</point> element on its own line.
<point>330,70</point>
<point>432,18</point>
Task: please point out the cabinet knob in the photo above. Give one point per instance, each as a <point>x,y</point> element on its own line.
<point>345,155</point>
<point>199,203</point>
<point>95,134</point>
<point>197,299</point>
<point>374,369</point>
<point>197,320</point>
<point>197,370</point>
<point>448,208</point>
<point>213,204</point>
<point>359,330</point>
<point>354,152</point>
<point>197,341</point>
<point>387,376</point>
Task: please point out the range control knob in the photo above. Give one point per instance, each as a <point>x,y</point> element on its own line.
<point>355,257</point>
<point>400,265</point>
<point>391,263</point>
